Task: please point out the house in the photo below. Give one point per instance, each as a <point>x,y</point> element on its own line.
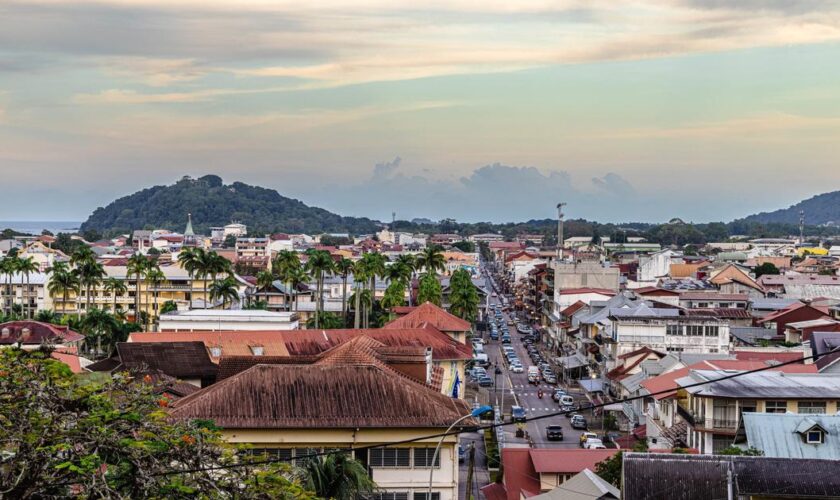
<point>187,362</point>
<point>788,435</point>
<point>585,485</point>
<point>349,400</point>
<point>705,477</point>
<point>801,286</point>
<point>712,410</point>
<point>826,346</point>
<point>801,331</point>
<point>796,312</point>
<point>217,320</point>
<point>531,471</point>
<point>714,300</point>
<point>731,279</point>
<point>432,315</point>
<point>253,253</point>
<point>32,335</point>
<point>486,237</point>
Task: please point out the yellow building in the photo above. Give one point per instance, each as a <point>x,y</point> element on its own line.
<point>349,400</point>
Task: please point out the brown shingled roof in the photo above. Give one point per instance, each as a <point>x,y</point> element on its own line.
<point>433,315</point>
<point>176,359</point>
<point>316,396</point>
<point>39,333</point>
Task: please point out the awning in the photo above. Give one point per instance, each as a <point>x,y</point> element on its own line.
<point>576,360</point>
<point>592,384</point>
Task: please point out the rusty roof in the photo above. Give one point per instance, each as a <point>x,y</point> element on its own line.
<point>320,396</point>
<point>39,333</point>
<point>430,314</point>
<point>176,359</point>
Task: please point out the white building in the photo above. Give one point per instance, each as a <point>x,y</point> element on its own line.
<point>225,320</point>
<point>656,265</point>
<point>35,297</point>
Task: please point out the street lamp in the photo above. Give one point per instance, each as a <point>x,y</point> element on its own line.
<point>481,410</point>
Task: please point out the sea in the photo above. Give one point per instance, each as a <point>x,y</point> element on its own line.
<point>37,226</point>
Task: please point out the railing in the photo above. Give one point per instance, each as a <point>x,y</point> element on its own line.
<point>686,414</point>
<point>724,423</point>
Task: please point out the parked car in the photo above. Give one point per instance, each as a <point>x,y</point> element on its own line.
<point>586,436</point>
<point>557,394</point>
<point>462,454</point>
<point>578,422</point>
<point>517,413</point>
<point>554,433</point>
<point>569,409</point>
<point>506,339</point>
<point>485,381</point>
<point>517,368</point>
<point>494,335</point>
<point>594,444</point>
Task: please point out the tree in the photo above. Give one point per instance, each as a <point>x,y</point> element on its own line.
<point>168,307</point>
<point>110,437</point>
<point>429,290</point>
<point>610,469</point>
<point>8,267</point>
<point>360,274</point>
<point>284,265</point>
<point>155,276</point>
<point>230,241</point>
<point>337,476</point>
<point>394,295</point>
<point>101,326</point>
<point>265,281</point>
<point>46,316</point>
<point>431,259</point>
<point>224,290</point>
<point>26,267</point>
<point>463,295</point>
<point>343,267</point>
<point>188,260</point>
<point>766,268</point>
<point>465,246</point>
<point>374,263</point>
<point>297,276</point>
<point>318,264</point>
<point>62,282</point>
<point>410,262</point>
<point>327,321</point>
<point>136,266</point>
<point>734,450</point>
<point>115,287</point>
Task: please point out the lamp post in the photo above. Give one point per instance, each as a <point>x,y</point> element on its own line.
<point>475,413</point>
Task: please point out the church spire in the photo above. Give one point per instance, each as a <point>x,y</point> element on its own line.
<point>189,234</point>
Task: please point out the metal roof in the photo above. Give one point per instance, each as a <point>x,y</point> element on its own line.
<point>764,385</point>
<point>780,434</point>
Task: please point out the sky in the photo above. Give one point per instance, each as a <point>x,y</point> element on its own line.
<point>477,110</point>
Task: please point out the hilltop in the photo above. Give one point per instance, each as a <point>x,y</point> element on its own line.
<point>213,203</point>
<point>819,210</point>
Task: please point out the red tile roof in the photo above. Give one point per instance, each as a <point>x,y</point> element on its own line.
<point>39,333</point>
<point>623,371</point>
<point>69,359</point>
<point>577,306</point>
<point>519,473</point>
<point>781,357</point>
<point>430,314</point>
<point>791,308</point>
<point>567,461</point>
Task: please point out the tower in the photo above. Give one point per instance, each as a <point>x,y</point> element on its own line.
<point>560,216</point>
<point>189,234</point>
<point>801,227</point>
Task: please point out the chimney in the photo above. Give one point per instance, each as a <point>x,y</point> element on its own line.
<point>6,333</point>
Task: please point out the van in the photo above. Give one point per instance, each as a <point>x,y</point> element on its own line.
<point>481,360</point>
<point>533,375</point>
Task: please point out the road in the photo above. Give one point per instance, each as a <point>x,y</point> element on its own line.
<point>525,394</point>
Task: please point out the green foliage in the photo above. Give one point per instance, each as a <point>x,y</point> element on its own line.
<point>337,476</point>
<point>101,437</point>
<point>328,321</point>
<point>334,241</point>
<point>465,246</point>
<point>429,290</point>
<point>766,268</point>
<point>168,307</point>
<point>610,422</point>
<point>610,469</point>
<point>463,295</point>
<point>230,241</point>
<point>734,450</point>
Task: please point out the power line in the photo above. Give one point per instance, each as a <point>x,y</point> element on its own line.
<point>500,424</point>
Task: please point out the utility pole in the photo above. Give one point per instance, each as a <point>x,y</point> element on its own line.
<point>470,466</point>
<point>801,227</point>
<point>560,216</point>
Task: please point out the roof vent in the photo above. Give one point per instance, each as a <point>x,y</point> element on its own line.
<point>6,333</point>
<point>24,333</point>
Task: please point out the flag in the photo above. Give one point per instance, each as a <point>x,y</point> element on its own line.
<point>456,384</point>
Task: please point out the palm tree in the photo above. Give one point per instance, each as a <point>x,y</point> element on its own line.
<point>62,282</point>
<point>283,265</point>
<point>429,290</point>
<point>344,267</point>
<point>155,276</point>
<point>360,274</point>
<point>26,267</point>
<point>394,294</point>
<point>99,324</point>
<point>187,260</point>
<point>463,296</point>
<point>8,266</point>
<point>136,266</point>
<point>116,287</point>
<point>88,270</point>
<point>224,289</point>
<point>337,476</point>
<point>375,265</point>
<point>431,259</point>
<point>265,280</point>
<point>297,276</point>
<point>211,264</point>
<point>319,263</point>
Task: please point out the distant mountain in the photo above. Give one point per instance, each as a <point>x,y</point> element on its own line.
<point>819,210</point>
<point>213,203</point>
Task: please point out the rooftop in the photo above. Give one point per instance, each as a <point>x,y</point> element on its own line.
<point>764,385</point>
<point>430,314</point>
<point>780,434</point>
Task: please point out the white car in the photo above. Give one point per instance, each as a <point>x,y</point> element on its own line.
<point>594,444</point>
<point>517,368</point>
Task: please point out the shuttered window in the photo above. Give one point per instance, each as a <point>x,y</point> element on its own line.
<point>423,457</point>
<point>390,495</point>
<point>390,457</point>
<point>425,495</point>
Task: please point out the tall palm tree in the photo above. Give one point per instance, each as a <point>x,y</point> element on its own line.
<point>155,276</point>
<point>187,260</point>
<point>375,266</point>
<point>265,280</point>
<point>62,282</point>
<point>284,265</point>
<point>337,476</point>
<point>343,267</point>
<point>84,261</point>
<point>210,264</point>
<point>431,259</point>
<point>26,267</point>
<point>116,287</point>
<point>319,264</point>
<point>100,325</point>
<point>136,266</point>
<point>297,276</point>
<point>8,266</point>
<point>360,276</point>
<point>224,289</point>
<point>463,296</point>
<point>410,262</point>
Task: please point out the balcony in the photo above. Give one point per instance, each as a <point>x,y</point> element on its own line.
<point>724,423</point>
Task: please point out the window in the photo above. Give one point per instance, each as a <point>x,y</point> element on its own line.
<point>702,305</point>
<point>674,330</point>
<point>390,457</point>
<point>216,352</point>
<point>724,305</point>
<point>675,349</point>
<point>814,437</point>
<point>272,453</point>
<point>257,350</point>
<point>711,331</point>
<point>425,495</point>
<point>390,495</point>
<point>694,330</point>
<point>775,406</point>
<point>811,407</point>
<point>423,457</point>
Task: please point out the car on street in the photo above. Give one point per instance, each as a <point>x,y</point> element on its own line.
<point>557,394</point>
<point>517,414</point>
<point>462,454</point>
<point>485,381</point>
<point>568,409</point>
<point>566,400</point>
<point>578,422</point>
<point>517,368</point>
<point>554,433</point>
<point>494,335</point>
<point>533,375</point>
<point>506,339</point>
<point>594,444</point>
<point>510,322</point>
<point>584,436</point>
<point>477,372</point>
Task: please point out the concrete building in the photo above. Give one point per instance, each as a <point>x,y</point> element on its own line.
<point>220,320</point>
<point>33,296</point>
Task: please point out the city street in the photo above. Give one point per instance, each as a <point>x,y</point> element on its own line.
<point>525,394</point>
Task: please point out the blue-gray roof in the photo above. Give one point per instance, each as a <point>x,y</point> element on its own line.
<point>780,434</point>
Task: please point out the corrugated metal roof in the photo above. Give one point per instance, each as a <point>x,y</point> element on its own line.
<point>764,385</point>
<point>779,435</point>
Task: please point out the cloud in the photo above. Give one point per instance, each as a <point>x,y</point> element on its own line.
<point>385,169</point>
<point>614,184</point>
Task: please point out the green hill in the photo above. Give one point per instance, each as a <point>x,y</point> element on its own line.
<point>213,203</point>
<point>819,210</point>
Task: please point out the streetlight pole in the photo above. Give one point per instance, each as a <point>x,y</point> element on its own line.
<point>475,413</point>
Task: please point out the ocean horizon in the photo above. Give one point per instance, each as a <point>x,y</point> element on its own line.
<point>37,226</point>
